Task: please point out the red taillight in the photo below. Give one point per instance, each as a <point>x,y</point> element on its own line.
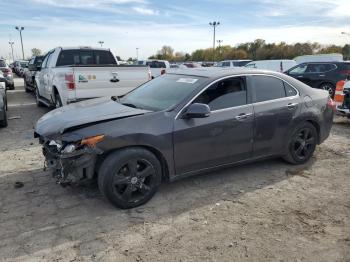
<point>331,104</point>
<point>162,72</point>
<point>345,72</point>
<point>69,78</point>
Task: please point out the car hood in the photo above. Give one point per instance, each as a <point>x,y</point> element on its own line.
<point>82,114</point>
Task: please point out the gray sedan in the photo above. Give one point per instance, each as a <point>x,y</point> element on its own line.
<point>180,124</point>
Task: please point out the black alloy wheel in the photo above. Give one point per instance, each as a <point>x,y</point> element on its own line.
<point>302,144</point>
<point>129,177</point>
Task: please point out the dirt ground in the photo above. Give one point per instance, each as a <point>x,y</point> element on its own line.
<point>267,211</point>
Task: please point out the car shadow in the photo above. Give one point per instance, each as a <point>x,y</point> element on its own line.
<point>42,215</point>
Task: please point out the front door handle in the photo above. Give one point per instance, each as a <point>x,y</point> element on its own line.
<point>292,105</point>
<point>243,116</point>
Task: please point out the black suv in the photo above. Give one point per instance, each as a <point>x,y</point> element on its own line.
<point>323,75</point>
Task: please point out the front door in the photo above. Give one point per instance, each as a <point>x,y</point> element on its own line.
<point>222,138</point>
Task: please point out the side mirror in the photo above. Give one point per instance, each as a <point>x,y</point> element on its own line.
<point>197,110</point>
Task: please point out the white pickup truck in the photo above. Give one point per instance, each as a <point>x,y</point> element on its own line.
<point>73,74</point>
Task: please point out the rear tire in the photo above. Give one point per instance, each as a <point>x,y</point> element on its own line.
<point>302,144</point>
<point>37,96</point>
<point>58,101</point>
<point>4,123</point>
<point>129,177</point>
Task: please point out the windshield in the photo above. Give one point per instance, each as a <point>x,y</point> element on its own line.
<point>162,92</point>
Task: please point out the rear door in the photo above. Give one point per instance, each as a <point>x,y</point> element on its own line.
<point>276,103</point>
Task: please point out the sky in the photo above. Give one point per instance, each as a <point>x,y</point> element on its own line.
<point>125,25</point>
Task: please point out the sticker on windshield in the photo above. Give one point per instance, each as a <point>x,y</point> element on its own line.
<point>187,80</point>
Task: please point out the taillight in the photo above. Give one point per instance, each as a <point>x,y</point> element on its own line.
<point>162,72</point>
<point>331,104</point>
<point>7,71</point>
<point>69,78</point>
<point>345,72</point>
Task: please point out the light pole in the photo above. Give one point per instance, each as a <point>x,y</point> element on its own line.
<point>11,44</point>
<point>101,43</point>
<point>214,25</point>
<point>20,29</point>
<point>219,43</point>
<point>137,54</point>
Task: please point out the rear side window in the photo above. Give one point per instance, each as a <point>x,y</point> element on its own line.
<point>320,68</point>
<point>85,57</point>
<point>227,93</point>
<point>268,88</point>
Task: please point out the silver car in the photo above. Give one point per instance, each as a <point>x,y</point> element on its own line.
<point>7,73</point>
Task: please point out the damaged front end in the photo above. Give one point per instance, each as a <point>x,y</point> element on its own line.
<point>71,163</point>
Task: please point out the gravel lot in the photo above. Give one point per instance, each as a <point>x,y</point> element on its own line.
<point>267,211</point>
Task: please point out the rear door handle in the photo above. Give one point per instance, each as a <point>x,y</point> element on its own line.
<point>322,75</point>
<point>243,116</point>
<point>292,105</point>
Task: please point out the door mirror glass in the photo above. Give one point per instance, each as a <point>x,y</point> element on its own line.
<point>197,110</point>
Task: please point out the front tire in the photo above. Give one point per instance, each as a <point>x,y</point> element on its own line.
<point>58,101</point>
<point>302,144</point>
<point>37,96</point>
<point>3,123</point>
<point>129,177</point>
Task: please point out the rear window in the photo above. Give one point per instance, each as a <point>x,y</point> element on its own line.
<point>85,57</point>
<point>320,68</point>
<point>2,63</point>
<point>156,64</point>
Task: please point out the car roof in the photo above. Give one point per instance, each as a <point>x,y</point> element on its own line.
<point>84,48</point>
<point>221,72</point>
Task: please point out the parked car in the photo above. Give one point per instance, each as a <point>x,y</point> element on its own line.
<point>30,72</point>
<point>177,66</point>
<point>19,66</point>
<point>279,65</point>
<point>192,65</point>
<point>342,97</point>
<point>181,124</point>
<point>158,67</point>
<point>3,101</point>
<point>77,73</point>
<point>232,63</point>
<point>7,74</point>
<point>322,75</point>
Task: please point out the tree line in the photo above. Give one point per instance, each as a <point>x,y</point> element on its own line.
<point>256,50</point>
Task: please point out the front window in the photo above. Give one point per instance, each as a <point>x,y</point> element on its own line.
<point>226,93</point>
<point>300,69</point>
<point>162,92</point>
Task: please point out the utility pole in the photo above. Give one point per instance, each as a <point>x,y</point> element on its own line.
<point>214,25</point>
<point>137,54</point>
<point>11,44</point>
<point>101,43</point>
<point>20,29</point>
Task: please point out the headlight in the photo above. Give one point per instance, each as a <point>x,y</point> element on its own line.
<point>68,149</point>
<point>58,144</point>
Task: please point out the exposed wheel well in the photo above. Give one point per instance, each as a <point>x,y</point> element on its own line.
<point>157,153</point>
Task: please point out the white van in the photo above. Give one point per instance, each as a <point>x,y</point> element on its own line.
<point>273,65</point>
<point>319,58</point>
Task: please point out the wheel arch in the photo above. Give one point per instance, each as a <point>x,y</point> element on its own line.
<point>164,164</point>
<point>317,126</point>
